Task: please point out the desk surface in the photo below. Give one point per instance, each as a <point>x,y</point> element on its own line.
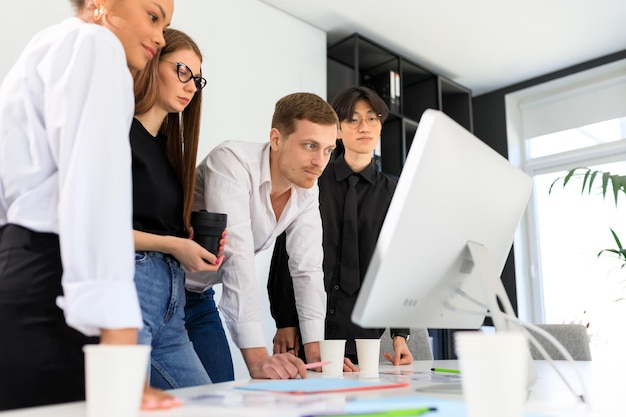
<point>548,397</point>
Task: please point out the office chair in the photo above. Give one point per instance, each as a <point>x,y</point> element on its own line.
<point>573,337</point>
<point>419,345</point>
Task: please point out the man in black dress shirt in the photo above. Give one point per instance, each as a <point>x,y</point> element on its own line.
<point>361,113</point>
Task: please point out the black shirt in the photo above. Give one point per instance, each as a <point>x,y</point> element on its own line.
<point>374,191</point>
<point>157,192</point>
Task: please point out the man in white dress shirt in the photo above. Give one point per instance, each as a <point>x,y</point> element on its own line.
<point>265,188</point>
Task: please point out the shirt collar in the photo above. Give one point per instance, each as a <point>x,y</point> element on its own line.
<point>266,176</point>
<point>343,171</point>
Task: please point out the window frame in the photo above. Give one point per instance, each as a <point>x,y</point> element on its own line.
<point>527,251</point>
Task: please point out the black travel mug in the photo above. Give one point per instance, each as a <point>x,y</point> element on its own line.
<point>208,229</point>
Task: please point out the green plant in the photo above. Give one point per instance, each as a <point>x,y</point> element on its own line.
<point>617,186</point>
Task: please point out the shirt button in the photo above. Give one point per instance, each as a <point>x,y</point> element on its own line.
<point>332,311</point>
<point>336,287</point>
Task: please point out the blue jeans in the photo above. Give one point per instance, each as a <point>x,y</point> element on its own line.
<point>207,334</point>
<point>160,285</point>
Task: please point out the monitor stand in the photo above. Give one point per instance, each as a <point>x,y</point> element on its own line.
<point>499,306</point>
<point>497,300</point>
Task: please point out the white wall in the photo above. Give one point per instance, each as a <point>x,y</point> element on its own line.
<point>21,20</point>
<point>253,55</point>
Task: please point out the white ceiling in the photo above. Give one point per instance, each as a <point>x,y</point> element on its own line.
<point>481,44</point>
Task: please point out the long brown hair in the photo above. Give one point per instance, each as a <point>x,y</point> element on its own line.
<point>182,129</point>
<point>78,4</point>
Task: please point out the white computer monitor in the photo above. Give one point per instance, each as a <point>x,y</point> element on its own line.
<point>450,226</point>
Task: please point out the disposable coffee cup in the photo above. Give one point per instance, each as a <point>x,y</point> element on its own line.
<point>208,228</point>
<point>332,351</point>
<point>494,372</point>
<point>115,376</point>
<point>368,353</point>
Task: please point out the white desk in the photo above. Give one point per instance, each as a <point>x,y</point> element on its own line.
<point>549,395</point>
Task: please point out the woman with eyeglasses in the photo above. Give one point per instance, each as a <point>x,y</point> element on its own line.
<point>66,248</point>
<point>346,256</point>
<point>164,141</point>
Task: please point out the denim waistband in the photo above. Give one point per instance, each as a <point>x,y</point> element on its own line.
<point>165,256</point>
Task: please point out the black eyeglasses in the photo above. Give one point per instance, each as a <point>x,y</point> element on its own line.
<point>185,75</point>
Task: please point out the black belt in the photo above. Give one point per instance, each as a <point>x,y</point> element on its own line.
<point>15,235</point>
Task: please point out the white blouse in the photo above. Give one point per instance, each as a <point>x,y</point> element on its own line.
<point>65,166</point>
<point>235,179</point>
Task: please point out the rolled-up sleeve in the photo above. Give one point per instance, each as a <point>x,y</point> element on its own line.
<point>304,246</point>
<point>88,110</point>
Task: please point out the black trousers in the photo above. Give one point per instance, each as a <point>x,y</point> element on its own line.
<point>41,358</point>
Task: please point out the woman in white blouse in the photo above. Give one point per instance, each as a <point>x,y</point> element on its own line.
<point>66,242</point>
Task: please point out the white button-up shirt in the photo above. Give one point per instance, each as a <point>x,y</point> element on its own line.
<point>65,167</point>
<point>235,179</point>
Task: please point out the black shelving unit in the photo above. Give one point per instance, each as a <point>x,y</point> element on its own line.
<point>407,88</point>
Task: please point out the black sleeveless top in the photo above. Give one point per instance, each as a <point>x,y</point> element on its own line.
<point>157,192</point>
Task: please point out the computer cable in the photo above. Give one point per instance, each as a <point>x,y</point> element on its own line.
<point>582,397</point>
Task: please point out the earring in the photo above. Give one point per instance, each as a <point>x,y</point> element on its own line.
<point>98,13</point>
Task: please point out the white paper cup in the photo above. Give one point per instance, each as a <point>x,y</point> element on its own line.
<point>115,376</point>
<point>494,371</point>
<point>332,351</point>
<point>368,353</point>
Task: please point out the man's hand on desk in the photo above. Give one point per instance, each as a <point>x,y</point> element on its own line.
<point>312,352</point>
<point>348,366</point>
<point>280,366</point>
<point>283,344</point>
<point>402,354</point>
<point>287,340</point>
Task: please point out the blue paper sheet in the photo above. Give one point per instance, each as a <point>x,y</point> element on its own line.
<point>317,385</point>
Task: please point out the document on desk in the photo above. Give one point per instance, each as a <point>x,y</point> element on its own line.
<point>321,385</point>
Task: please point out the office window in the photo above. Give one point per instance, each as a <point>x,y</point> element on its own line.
<point>577,138</point>
<point>578,121</point>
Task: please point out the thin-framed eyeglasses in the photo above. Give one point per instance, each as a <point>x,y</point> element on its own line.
<point>372,120</point>
<point>185,75</point>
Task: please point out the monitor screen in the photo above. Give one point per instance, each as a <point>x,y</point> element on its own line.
<point>454,213</point>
